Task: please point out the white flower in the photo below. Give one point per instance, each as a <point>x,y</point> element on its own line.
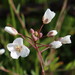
<point>65,40</point>
<point>2,51</point>
<point>52,33</point>
<point>48,16</point>
<point>17,49</point>
<point>11,30</point>
<point>56,44</point>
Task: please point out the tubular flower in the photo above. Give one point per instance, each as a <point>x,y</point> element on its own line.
<point>11,30</point>
<point>48,16</point>
<point>55,44</point>
<point>17,49</point>
<point>52,33</point>
<point>2,51</point>
<point>65,40</point>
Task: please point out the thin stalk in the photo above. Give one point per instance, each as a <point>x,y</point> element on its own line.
<point>24,36</point>
<point>40,59</point>
<point>17,14</point>
<point>8,71</point>
<point>41,28</point>
<point>36,67</point>
<point>45,49</point>
<point>61,16</point>
<point>12,15</point>
<point>43,45</point>
<point>17,66</point>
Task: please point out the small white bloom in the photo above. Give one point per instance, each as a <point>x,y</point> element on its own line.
<point>65,40</point>
<point>52,33</point>
<point>2,51</point>
<point>48,16</point>
<point>11,30</point>
<point>56,44</point>
<point>17,49</point>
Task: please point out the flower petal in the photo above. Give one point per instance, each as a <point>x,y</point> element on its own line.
<point>25,51</point>
<point>14,55</point>
<point>18,41</point>
<point>10,47</point>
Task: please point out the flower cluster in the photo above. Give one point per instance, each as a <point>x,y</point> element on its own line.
<point>48,16</point>
<point>17,48</point>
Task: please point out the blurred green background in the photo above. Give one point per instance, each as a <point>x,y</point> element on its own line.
<point>31,12</point>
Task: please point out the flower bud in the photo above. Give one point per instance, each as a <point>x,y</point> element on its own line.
<point>40,35</point>
<point>31,30</point>
<point>2,51</point>
<point>56,44</point>
<point>34,37</point>
<point>35,34</point>
<point>65,40</point>
<point>11,30</point>
<point>52,33</point>
<point>48,16</point>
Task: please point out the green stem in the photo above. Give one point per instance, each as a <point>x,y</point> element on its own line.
<point>61,16</point>
<point>17,66</point>
<point>12,15</point>
<point>36,67</point>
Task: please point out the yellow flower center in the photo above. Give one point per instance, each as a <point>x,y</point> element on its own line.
<point>18,48</point>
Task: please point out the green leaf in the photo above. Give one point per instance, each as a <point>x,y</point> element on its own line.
<point>18,8</point>
<point>69,66</point>
<point>33,73</point>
